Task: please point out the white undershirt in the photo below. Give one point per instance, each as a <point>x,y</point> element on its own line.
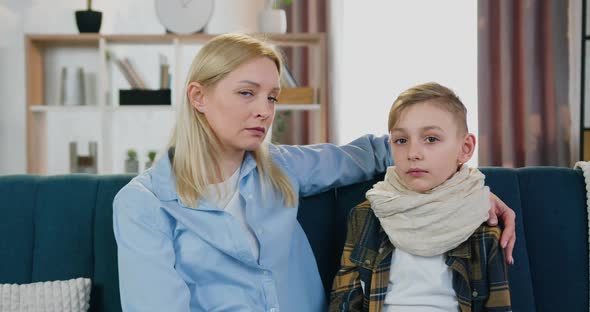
<point>419,284</point>
<point>227,198</point>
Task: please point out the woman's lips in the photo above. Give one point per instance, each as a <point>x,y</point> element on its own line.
<point>257,130</point>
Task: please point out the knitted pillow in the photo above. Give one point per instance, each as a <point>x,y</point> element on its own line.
<point>63,296</point>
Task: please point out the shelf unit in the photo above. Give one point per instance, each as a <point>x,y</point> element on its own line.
<point>45,52</point>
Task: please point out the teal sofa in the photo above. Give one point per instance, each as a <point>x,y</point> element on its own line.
<point>60,227</point>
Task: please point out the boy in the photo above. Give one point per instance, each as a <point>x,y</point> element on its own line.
<point>418,242</point>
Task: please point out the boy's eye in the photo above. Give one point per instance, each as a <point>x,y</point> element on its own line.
<point>400,141</point>
<point>272,99</point>
<point>431,139</point>
<point>246,93</point>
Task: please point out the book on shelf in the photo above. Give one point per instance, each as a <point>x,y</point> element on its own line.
<point>73,86</point>
<point>128,71</point>
<point>164,72</point>
<point>287,78</point>
<point>130,74</point>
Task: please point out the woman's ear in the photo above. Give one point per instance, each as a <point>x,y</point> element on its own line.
<point>196,95</point>
<point>467,148</point>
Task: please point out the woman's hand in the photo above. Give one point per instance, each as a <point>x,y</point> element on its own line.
<point>499,209</point>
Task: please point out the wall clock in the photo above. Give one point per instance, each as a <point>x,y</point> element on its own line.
<point>184,16</point>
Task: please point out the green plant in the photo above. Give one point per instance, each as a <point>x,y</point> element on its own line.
<point>131,154</point>
<point>89,5</point>
<point>277,4</point>
<point>280,126</point>
<point>152,155</point>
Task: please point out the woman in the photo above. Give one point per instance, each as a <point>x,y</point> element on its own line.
<point>212,226</point>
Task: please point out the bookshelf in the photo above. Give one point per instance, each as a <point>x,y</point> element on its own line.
<point>50,126</point>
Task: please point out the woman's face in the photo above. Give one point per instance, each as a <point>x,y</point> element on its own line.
<point>240,108</point>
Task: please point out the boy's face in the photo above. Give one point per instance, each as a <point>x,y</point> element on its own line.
<point>428,146</point>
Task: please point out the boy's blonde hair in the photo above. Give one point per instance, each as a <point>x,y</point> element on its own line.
<point>196,146</point>
<point>435,94</point>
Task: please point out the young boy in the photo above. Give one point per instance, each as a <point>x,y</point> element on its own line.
<point>419,242</point>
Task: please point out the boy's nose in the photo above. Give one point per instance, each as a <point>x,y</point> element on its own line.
<point>414,152</point>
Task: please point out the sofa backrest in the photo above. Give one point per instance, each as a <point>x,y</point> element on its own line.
<point>60,227</point>
<point>551,253</point>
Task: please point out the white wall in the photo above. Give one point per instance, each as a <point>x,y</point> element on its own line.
<point>12,94</point>
<point>391,45</point>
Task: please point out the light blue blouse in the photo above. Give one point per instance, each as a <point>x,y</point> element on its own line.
<point>177,258</point>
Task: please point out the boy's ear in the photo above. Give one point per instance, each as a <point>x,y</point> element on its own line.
<point>196,94</point>
<point>467,148</point>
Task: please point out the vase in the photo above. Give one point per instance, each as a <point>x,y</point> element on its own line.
<point>148,164</point>
<point>131,166</point>
<point>272,21</point>
<point>88,21</point>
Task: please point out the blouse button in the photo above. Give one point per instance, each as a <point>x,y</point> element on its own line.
<point>474,293</point>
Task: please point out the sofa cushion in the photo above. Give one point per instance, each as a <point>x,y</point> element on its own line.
<point>19,195</point>
<point>318,217</point>
<point>505,184</point>
<point>55,296</point>
<point>105,286</point>
<point>64,217</point>
<point>554,210</point>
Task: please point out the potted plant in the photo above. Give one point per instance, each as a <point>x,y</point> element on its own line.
<point>273,19</point>
<point>151,158</point>
<point>88,21</point>
<point>131,163</point>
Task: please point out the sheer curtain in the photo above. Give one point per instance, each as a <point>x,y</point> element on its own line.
<point>524,110</point>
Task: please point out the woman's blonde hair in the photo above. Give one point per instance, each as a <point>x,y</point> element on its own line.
<point>196,147</point>
<point>434,93</point>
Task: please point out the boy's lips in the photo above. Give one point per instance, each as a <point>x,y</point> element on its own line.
<point>416,172</point>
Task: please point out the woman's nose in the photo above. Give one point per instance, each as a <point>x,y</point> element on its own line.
<point>264,109</point>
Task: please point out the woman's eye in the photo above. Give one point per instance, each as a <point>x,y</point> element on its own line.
<point>431,139</point>
<point>272,99</point>
<point>246,93</point>
<point>400,141</point>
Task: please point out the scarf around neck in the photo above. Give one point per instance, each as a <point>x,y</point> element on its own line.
<point>431,223</point>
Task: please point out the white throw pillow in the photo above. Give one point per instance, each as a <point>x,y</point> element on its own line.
<point>63,296</point>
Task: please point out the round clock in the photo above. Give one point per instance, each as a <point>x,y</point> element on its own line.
<point>184,16</point>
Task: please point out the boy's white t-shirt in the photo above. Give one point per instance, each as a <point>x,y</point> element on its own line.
<point>419,284</point>
<point>229,201</point>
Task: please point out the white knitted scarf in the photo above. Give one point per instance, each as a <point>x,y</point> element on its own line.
<point>585,166</point>
<point>431,223</point>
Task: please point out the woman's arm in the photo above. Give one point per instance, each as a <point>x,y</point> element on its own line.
<point>322,166</point>
<point>147,278</point>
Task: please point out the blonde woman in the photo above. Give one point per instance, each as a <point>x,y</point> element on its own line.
<point>212,225</point>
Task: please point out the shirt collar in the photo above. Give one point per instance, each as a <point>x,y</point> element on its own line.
<point>164,181</point>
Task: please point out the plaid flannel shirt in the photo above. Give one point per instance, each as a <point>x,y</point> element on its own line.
<point>479,272</point>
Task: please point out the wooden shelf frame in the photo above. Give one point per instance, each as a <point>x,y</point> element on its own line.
<point>36,102</point>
